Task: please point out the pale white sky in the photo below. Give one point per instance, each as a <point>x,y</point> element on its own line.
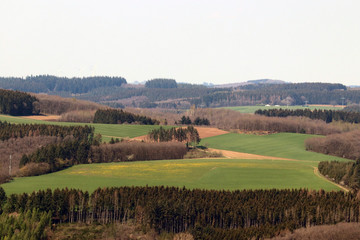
<point>189,40</point>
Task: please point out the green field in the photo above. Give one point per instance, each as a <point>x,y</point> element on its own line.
<point>229,174</point>
<point>107,130</point>
<point>252,109</point>
<point>284,145</point>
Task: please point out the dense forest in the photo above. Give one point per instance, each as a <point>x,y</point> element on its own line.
<point>325,115</point>
<point>113,116</point>
<point>17,103</point>
<point>207,214</point>
<point>49,84</point>
<point>345,173</point>
<point>10,130</point>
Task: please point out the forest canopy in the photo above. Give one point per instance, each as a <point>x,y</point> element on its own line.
<point>113,116</point>
<point>17,103</point>
<point>48,83</point>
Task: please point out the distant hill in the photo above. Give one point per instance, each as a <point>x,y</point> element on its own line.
<point>250,82</point>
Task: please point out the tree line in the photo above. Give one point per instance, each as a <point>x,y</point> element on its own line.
<point>188,135</point>
<point>136,151</point>
<point>114,116</point>
<point>198,121</point>
<point>53,84</point>
<point>326,115</point>
<point>17,103</point>
<point>345,173</point>
<point>207,214</point>
<point>346,145</point>
<point>10,130</point>
<point>229,119</point>
<point>295,86</point>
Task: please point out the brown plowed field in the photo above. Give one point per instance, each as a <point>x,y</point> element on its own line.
<point>205,132</point>
<point>240,155</point>
<point>43,117</point>
<point>326,105</point>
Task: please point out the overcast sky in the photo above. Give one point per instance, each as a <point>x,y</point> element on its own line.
<point>189,40</point>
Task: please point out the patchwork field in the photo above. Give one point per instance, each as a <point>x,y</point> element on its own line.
<point>106,130</point>
<point>295,169</point>
<point>252,109</point>
<point>228,174</point>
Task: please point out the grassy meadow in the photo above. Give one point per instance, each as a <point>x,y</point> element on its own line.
<point>252,109</point>
<point>284,145</point>
<point>228,174</point>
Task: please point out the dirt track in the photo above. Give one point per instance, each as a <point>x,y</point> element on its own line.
<point>317,173</point>
<point>240,155</point>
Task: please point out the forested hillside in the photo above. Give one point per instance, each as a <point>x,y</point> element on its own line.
<point>53,84</point>
<point>283,94</point>
<point>167,93</point>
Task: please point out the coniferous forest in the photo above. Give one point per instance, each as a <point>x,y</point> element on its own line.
<point>206,214</point>
<point>345,173</point>
<point>48,83</point>
<point>113,116</point>
<point>17,103</point>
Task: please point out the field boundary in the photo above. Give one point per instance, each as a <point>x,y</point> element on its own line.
<point>242,155</point>
<point>317,173</point>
